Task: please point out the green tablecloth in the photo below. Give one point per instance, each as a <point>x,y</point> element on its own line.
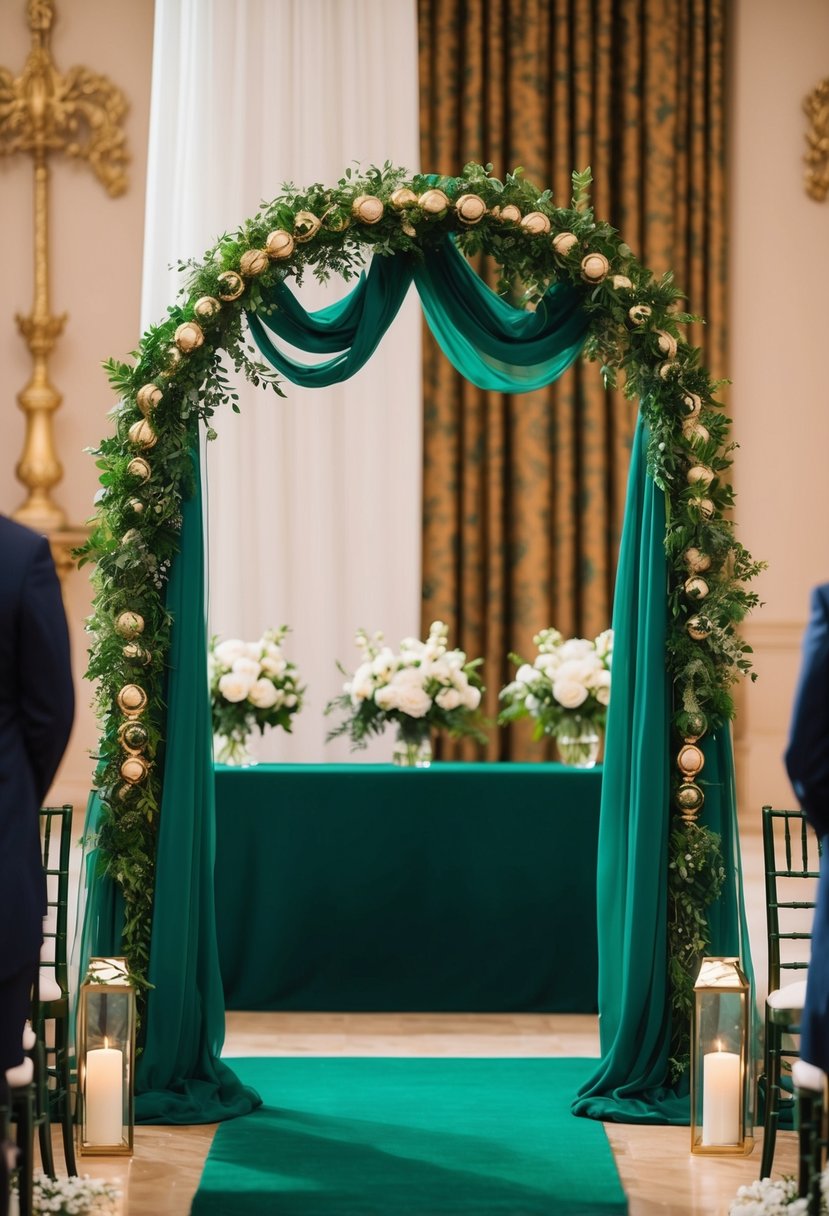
<point>464,887</point>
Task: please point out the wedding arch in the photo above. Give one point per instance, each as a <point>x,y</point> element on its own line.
<point>669,882</point>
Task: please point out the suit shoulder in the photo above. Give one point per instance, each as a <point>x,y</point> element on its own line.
<point>18,541</point>
<point>820,596</point>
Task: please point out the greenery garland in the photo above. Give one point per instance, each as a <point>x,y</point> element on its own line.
<point>178,379</point>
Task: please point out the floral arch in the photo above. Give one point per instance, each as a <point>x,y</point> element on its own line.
<point>681,588</point>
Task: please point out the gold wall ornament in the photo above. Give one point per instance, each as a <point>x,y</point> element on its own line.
<point>816,105</point>
<point>42,113</point>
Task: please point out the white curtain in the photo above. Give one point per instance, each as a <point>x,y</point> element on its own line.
<point>313,502</point>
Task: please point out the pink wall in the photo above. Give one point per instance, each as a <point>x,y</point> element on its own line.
<point>779,268</point>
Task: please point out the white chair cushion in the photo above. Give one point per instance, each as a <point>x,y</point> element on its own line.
<point>49,987</point>
<point>808,1076</point>
<point>21,1074</point>
<point>29,1037</point>
<point>792,996</point>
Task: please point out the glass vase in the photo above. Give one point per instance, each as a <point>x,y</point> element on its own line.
<point>229,749</point>
<point>413,746</point>
<point>578,744</point>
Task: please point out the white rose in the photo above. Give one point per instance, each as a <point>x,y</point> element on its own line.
<point>576,648</point>
<point>291,700</point>
<point>448,698</point>
<point>234,687</point>
<point>245,666</point>
<point>532,703</point>
<point>273,666</point>
<point>604,643</point>
<point>603,695</point>
<point>383,663</point>
<point>253,650</point>
<point>263,694</point>
<point>525,674</point>
<point>409,695</point>
<point>569,693</point>
<point>362,684</point>
<point>472,697</point>
<point>384,698</point>
<point>227,652</point>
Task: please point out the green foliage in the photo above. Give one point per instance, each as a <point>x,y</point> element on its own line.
<point>635,335</point>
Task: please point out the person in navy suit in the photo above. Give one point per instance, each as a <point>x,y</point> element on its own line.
<point>807,762</point>
<point>36,710</point>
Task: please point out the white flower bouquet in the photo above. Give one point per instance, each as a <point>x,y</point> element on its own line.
<point>566,689</point>
<point>778,1197</point>
<point>420,687</point>
<point>75,1196</point>
<point>252,685</point>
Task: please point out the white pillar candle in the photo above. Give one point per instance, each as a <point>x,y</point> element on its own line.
<point>104,1095</point>
<point>721,1097</point>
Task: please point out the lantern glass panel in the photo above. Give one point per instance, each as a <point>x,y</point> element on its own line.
<point>721,1119</point>
<point>106,1053</point>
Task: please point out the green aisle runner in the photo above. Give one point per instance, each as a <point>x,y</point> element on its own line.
<point>411,1137</point>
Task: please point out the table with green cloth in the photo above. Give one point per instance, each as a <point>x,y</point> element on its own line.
<point>362,887</point>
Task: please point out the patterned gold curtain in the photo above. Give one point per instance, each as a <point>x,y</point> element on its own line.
<point>524,496</point>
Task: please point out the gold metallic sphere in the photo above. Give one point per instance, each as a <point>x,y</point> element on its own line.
<point>206,307</point>
<point>368,209</point>
<point>129,624</point>
<point>138,467</point>
<point>690,760</point>
<point>142,435</point>
<point>189,336</point>
<point>698,627</point>
<point>279,245</point>
<point>133,736</point>
<point>470,208</point>
<point>148,397</point>
<point>253,262</point>
<point>134,769</point>
<point>594,267</point>
<point>131,699</point>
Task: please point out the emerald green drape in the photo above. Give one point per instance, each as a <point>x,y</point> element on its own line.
<point>628,1084</point>
<point>180,1078</point>
<point>489,341</point>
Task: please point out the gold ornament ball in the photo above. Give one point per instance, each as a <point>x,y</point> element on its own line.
<point>706,507</point>
<point>471,208</point>
<point>639,313</point>
<point>174,357</point>
<point>189,337</point>
<point>131,699</point>
<point>433,202</point>
<point>138,467</point>
<point>690,760</point>
<point>148,397</point>
<point>142,434</point>
<point>136,505</point>
<point>133,736</point>
<point>692,403</point>
<point>129,624</point>
<point>134,653</point>
<point>689,799</point>
<point>563,242</point>
<point>124,792</point>
<point>696,587</point>
<point>699,628</point>
<point>134,769</point>
<point>130,536</point>
<point>408,228</point>
<point>279,245</point>
<point>402,197</point>
<point>232,285</point>
<point>253,262</point>
<point>668,368</point>
<point>621,282</point>
<point>510,214</point>
<point>368,209</point>
<point>536,223</point>
<point>695,727</point>
<point>306,226</point>
<point>206,307</point>
<point>666,342</point>
<point>695,432</point>
<point>700,475</point>
<point>697,561</point>
<point>594,267</point>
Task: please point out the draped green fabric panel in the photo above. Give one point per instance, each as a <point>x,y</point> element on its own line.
<point>180,1078</point>
<point>492,343</point>
<point>628,1084</point>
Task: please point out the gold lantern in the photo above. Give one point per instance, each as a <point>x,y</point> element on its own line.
<point>721,1114</point>
<point>106,1059</point>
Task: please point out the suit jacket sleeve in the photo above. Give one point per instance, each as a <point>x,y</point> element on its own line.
<point>807,755</point>
<point>47,699</point>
